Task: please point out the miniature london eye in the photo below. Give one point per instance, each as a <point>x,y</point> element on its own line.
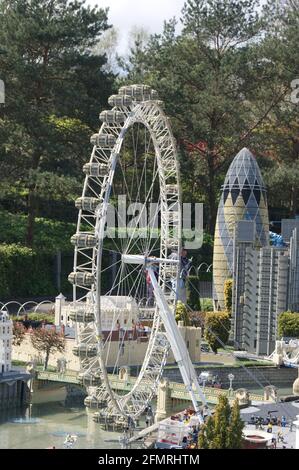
<point>133,159</point>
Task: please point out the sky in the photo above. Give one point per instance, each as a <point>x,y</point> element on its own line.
<point>150,14</point>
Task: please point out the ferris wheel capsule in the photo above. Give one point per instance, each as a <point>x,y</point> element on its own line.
<point>87,203</point>
<point>85,350</point>
<point>89,380</point>
<point>112,117</point>
<point>120,100</point>
<point>81,315</point>
<point>81,279</point>
<point>96,169</point>
<point>84,240</point>
<point>136,92</point>
<point>103,140</point>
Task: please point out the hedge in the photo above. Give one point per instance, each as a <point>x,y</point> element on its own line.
<point>193,293</point>
<point>25,273</point>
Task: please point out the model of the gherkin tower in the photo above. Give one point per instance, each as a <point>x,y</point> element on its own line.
<point>243,197</point>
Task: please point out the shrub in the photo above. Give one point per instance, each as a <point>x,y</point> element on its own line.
<point>217,324</point>
<point>181,314</point>
<point>24,272</point>
<point>228,295</point>
<point>288,324</point>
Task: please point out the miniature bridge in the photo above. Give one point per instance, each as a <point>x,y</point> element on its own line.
<point>176,391</point>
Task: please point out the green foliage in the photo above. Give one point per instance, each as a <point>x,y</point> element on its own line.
<point>24,272</point>
<point>50,235</point>
<point>192,286</point>
<point>41,317</point>
<point>288,324</point>
<point>181,313</point>
<point>203,76</point>
<point>224,429</point>
<point>228,295</point>
<point>207,305</point>
<point>217,324</point>
<point>236,426</point>
<point>204,276</point>
<point>55,86</point>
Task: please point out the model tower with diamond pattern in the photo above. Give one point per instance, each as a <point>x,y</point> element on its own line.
<point>243,197</point>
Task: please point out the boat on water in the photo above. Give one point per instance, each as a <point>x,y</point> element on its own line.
<point>70,441</point>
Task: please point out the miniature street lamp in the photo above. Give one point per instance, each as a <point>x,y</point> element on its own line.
<point>231,378</point>
<point>204,376</point>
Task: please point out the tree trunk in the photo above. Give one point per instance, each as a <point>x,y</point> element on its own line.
<point>31,217</point>
<point>212,211</point>
<point>47,359</point>
<point>293,202</point>
<point>211,195</point>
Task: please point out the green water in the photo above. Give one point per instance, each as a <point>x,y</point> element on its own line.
<point>47,425</point>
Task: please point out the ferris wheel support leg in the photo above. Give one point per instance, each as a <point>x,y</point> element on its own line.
<point>178,345</point>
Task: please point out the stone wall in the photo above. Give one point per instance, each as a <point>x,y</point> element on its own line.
<point>13,394</point>
<point>280,377</point>
<point>132,355</point>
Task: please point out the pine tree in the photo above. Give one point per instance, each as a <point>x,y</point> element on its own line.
<point>55,87</point>
<point>224,429</point>
<point>236,427</point>
<point>222,421</point>
<point>203,442</point>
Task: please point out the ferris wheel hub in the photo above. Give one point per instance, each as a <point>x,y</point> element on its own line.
<point>146,260</point>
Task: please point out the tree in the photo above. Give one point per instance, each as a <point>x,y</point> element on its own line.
<point>217,325</point>
<point>181,313</point>
<point>203,75</point>
<point>19,332</point>
<point>107,46</point>
<point>47,341</point>
<point>221,423</point>
<point>134,63</point>
<point>236,427</point>
<point>54,89</point>
<point>206,434</point>
<point>288,325</point>
<point>224,429</point>
<point>276,139</point>
<point>228,295</point>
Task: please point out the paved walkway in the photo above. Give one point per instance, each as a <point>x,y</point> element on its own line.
<point>288,409</point>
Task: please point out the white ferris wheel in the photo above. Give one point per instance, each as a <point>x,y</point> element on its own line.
<point>134,155</point>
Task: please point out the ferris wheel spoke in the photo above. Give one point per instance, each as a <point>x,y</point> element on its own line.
<point>139,217</point>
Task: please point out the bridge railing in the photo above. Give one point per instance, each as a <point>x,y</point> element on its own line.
<point>177,390</point>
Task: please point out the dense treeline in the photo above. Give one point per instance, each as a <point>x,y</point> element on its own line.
<point>226,79</point>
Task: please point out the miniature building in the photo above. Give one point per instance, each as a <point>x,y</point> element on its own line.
<point>6,335</point>
<point>243,198</point>
<point>293,291</point>
<point>265,294</point>
<point>244,238</point>
<point>266,283</point>
<point>122,308</point>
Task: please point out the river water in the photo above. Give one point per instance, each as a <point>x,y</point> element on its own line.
<point>46,425</point>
